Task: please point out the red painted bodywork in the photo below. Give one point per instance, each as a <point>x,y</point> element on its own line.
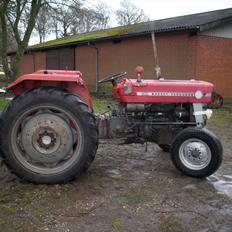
<point>162,91</point>
<point>71,81</point>
<point>125,90</point>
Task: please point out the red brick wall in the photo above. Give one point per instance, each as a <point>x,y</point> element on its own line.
<point>40,60</point>
<point>85,61</point>
<point>114,58</point>
<point>30,64</point>
<point>214,63</point>
<point>176,51</point>
<point>177,55</point>
<point>125,56</point>
<point>26,65</point>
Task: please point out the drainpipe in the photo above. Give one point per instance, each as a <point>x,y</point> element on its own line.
<point>97,67</point>
<point>33,55</point>
<point>33,60</point>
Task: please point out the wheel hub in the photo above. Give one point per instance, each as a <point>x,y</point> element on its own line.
<point>47,138</point>
<point>46,141</point>
<point>196,151</point>
<point>195,154</point>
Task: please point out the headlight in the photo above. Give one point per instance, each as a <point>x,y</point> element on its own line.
<point>198,94</point>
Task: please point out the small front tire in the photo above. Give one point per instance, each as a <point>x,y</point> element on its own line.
<point>196,152</point>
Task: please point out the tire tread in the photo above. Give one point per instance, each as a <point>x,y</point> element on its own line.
<point>14,107</point>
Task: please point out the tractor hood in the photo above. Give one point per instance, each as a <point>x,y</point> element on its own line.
<point>163,91</point>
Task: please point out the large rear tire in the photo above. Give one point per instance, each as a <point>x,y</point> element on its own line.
<point>196,152</point>
<point>48,136</point>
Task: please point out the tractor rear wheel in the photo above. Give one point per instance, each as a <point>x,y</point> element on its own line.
<point>196,152</point>
<point>48,136</point>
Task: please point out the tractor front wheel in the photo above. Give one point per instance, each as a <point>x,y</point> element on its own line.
<point>196,152</point>
<point>48,136</point>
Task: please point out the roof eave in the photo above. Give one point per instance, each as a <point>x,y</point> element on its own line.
<point>84,42</point>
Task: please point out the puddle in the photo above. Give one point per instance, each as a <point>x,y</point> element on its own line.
<point>189,187</point>
<point>222,183</point>
<point>114,173</point>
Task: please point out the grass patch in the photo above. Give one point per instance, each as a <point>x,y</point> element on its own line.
<point>9,210</point>
<point>172,224</point>
<point>117,225</point>
<point>222,116</point>
<point>4,198</point>
<point>103,105</point>
<point>135,196</point>
<point>227,101</point>
<point>3,103</point>
<point>2,221</point>
<point>102,89</point>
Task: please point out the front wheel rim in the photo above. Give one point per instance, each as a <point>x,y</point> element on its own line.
<point>53,164</point>
<point>195,154</point>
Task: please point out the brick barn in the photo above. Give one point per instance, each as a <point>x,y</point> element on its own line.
<point>193,46</point>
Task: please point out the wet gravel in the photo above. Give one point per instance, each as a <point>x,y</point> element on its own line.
<point>125,189</point>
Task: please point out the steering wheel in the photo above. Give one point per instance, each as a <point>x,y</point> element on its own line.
<point>113,77</point>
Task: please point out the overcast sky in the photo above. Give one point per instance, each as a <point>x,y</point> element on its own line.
<point>158,9</point>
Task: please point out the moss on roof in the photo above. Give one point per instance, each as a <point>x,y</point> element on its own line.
<point>83,37</point>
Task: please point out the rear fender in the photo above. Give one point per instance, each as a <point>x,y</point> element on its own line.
<point>71,81</point>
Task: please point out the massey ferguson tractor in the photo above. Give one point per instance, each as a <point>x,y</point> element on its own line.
<point>49,133</point>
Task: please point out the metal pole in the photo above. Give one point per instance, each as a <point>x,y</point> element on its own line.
<point>157,67</point>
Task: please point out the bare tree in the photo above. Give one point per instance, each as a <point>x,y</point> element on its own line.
<point>18,18</point>
<point>128,13</point>
<point>63,18</point>
<point>86,19</point>
<point>20,15</point>
<point>12,45</point>
<point>102,16</point>
<point>43,23</point>
<point>71,17</point>
<point>55,23</point>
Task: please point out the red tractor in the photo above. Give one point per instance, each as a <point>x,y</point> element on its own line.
<point>49,133</point>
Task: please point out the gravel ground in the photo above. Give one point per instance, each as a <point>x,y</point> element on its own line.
<point>125,189</point>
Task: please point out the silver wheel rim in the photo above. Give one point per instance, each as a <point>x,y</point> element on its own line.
<point>50,156</point>
<point>195,154</point>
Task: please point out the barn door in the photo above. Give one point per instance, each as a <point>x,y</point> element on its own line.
<point>62,58</point>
